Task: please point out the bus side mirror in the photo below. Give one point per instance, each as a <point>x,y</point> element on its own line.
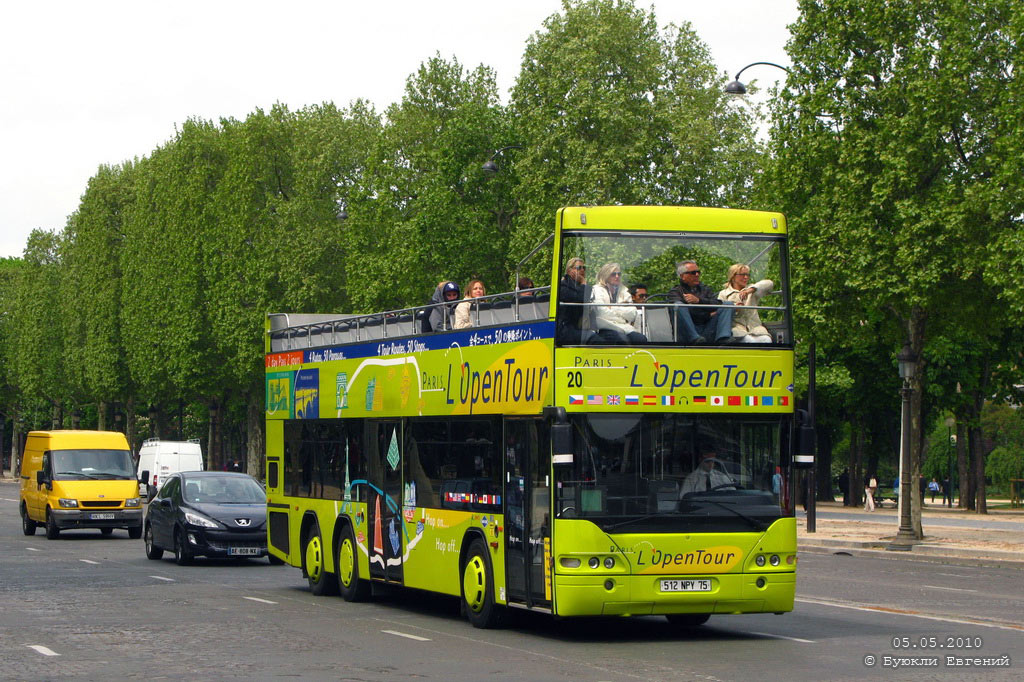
<point>806,442</point>
<point>561,444</point>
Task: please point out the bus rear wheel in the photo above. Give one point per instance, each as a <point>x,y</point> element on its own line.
<point>314,565</point>
<point>346,563</point>
<point>688,620</point>
<point>478,588</point>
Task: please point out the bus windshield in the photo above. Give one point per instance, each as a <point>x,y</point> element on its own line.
<point>673,472</point>
<point>72,465</point>
<point>651,258</point>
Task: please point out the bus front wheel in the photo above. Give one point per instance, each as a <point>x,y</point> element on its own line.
<point>478,588</point>
<point>346,563</point>
<point>314,565</point>
<point>688,620</point>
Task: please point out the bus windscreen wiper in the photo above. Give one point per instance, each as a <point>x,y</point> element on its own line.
<point>759,525</point>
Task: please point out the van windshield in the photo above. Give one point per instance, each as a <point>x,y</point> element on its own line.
<point>76,465</point>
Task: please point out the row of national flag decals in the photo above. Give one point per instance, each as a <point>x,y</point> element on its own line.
<point>666,400</point>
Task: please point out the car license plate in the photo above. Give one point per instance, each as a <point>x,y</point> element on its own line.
<point>243,551</point>
<point>692,585</point>
<point>100,517</point>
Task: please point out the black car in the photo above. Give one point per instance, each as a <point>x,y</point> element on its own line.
<point>207,513</point>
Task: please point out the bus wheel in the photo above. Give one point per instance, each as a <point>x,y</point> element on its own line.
<point>314,566</point>
<point>28,526</point>
<point>478,588</point>
<point>688,620</point>
<point>351,586</point>
<point>52,531</point>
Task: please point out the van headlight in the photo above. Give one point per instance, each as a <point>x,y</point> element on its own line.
<point>194,519</point>
<point>132,502</point>
<point>68,503</point>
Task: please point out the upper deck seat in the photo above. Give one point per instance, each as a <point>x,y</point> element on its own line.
<point>660,324</point>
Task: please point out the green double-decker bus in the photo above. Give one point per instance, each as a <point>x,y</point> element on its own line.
<point>538,459</point>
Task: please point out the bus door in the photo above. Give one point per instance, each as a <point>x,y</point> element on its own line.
<point>527,512</point>
<point>384,474</point>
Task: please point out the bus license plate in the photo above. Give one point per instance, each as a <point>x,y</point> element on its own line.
<point>243,551</point>
<point>697,585</point>
<point>100,517</point>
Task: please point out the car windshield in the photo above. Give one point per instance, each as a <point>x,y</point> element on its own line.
<point>223,490</point>
<point>72,465</point>
<point>673,473</point>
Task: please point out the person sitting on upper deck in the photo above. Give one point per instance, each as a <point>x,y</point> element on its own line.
<point>440,317</point>
<point>746,323</point>
<point>463,319</point>
<point>615,322</point>
<point>695,325</point>
<point>639,293</point>
<point>574,320</point>
<point>525,286</point>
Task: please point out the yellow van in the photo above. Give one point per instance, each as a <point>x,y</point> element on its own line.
<point>79,479</point>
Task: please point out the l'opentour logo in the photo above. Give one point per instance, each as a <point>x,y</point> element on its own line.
<point>709,560</point>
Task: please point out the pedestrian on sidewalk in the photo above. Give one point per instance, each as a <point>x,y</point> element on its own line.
<point>870,486</point>
<point>933,487</point>
<point>947,492</point>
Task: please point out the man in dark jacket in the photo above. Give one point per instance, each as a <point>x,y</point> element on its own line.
<point>696,325</point>
<point>574,320</point>
<point>441,317</point>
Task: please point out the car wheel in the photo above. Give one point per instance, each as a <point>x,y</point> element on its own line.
<point>478,588</point>
<point>52,531</point>
<point>135,532</point>
<point>315,566</point>
<point>182,552</point>
<point>28,526</point>
<point>350,585</point>
<point>152,551</point>
<point>106,531</point>
<point>688,620</point>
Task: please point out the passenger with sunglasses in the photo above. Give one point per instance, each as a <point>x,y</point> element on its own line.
<point>746,323</point>
<point>696,325</point>
<point>615,323</point>
<point>574,325</point>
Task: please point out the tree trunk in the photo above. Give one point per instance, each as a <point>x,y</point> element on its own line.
<point>824,464</point>
<point>855,485</point>
<point>978,451</point>
<point>963,471</point>
<point>58,415</point>
<point>3,430</point>
<point>130,424</point>
<point>15,444</point>
<point>255,451</point>
<point>916,337</point>
<point>101,416</point>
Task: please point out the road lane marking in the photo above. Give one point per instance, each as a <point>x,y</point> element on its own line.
<point>160,577</point>
<point>90,561</point>
<point>954,575</point>
<point>406,635</point>
<point>39,648</point>
<point>33,549</point>
<point>951,589</point>
<point>7,499</point>
<point>913,614</point>
<point>791,639</point>
<point>262,601</point>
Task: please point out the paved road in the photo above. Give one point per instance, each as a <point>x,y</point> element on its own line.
<point>89,607</point>
<point>890,516</point>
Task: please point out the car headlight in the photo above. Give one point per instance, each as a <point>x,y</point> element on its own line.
<point>132,502</point>
<point>68,503</point>
<point>194,519</point>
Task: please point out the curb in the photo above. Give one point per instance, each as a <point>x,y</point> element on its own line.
<point>935,554</point>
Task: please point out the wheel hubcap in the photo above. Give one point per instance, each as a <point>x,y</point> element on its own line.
<point>346,562</point>
<point>314,559</point>
<point>473,584</point>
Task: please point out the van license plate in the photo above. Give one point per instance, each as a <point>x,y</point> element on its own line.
<point>699,585</point>
<point>243,551</point>
<point>101,517</point>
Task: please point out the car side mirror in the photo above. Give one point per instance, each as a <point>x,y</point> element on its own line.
<point>40,477</point>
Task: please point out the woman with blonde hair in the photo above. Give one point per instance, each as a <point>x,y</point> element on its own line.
<point>614,322</point>
<point>475,289</point>
<point>746,323</point>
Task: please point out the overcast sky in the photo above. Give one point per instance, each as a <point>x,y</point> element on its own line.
<point>84,83</point>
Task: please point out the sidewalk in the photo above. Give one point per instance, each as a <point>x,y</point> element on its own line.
<point>952,536</point>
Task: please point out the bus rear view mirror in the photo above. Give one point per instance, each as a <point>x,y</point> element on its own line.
<point>803,458</point>
<point>561,443</point>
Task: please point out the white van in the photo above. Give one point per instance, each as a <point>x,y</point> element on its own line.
<point>161,458</point>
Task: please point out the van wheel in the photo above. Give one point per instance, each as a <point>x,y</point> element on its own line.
<point>152,551</point>
<point>52,531</point>
<point>135,532</point>
<point>28,526</point>
<point>182,553</point>
<point>478,588</point>
<point>351,586</point>
<point>106,531</point>
<point>314,565</point>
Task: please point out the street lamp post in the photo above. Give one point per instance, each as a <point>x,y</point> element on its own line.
<point>738,88</point>
<point>904,540</point>
<point>950,440</point>
<point>489,165</point>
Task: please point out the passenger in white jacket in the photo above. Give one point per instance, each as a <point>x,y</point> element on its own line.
<point>615,323</point>
<point>746,323</point>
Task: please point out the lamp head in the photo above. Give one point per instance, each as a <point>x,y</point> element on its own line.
<point>490,167</point>
<point>907,360</point>
<point>735,88</point>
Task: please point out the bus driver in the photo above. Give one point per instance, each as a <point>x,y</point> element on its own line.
<point>709,475</point>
